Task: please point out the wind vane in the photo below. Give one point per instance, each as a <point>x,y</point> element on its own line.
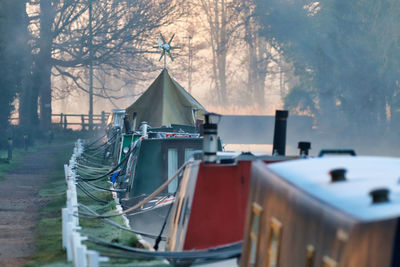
<point>165,48</point>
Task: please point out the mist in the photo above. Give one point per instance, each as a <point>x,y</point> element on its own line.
<point>335,64</point>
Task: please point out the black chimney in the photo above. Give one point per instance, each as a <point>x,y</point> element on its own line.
<point>280,132</point>
<point>126,125</point>
<point>304,148</point>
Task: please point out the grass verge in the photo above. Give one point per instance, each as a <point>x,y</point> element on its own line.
<point>7,166</point>
<point>49,251</point>
<point>101,230</point>
<point>49,238</point>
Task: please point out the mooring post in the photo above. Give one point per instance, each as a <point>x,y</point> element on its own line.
<point>65,122</point>
<point>61,119</point>
<point>83,122</point>
<point>25,142</point>
<point>10,148</point>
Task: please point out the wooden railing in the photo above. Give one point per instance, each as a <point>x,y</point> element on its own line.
<point>75,121</point>
<point>65,120</point>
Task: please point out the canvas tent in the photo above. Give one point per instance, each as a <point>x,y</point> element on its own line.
<point>164,103</point>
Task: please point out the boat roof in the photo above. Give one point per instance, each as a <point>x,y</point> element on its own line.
<point>164,103</point>
<point>232,157</point>
<point>364,174</point>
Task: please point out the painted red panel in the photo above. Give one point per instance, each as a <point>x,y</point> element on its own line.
<point>219,205</point>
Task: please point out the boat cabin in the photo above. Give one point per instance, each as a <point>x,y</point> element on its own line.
<point>324,212</point>
<point>157,156</point>
<point>210,205</point>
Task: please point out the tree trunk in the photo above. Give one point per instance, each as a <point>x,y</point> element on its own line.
<point>28,104</point>
<point>43,64</point>
<point>257,64</point>
<point>222,53</point>
<point>17,54</point>
<point>217,19</point>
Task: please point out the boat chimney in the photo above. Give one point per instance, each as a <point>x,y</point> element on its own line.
<point>338,175</point>
<point>199,126</point>
<point>126,125</point>
<point>280,132</point>
<point>134,121</point>
<point>379,195</point>
<point>304,148</point>
<point>210,140</point>
<point>143,128</point>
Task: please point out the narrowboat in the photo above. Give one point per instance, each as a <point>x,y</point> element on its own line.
<point>162,141</point>
<point>164,107</point>
<point>160,133</point>
<point>324,212</point>
<point>205,207</point>
<point>210,206</point>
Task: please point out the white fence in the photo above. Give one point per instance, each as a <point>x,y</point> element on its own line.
<point>71,237</point>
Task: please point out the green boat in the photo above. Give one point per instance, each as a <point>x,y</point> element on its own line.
<point>160,137</point>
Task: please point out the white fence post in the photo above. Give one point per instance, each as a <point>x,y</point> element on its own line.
<point>77,253</point>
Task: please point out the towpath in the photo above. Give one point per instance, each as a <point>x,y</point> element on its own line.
<point>20,204</point>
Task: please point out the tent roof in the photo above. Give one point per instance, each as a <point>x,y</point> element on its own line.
<point>165,102</point>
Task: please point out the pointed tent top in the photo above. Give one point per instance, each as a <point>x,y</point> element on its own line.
<point>165,102</point>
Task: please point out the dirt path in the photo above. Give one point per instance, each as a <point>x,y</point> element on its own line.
<point>20,204</point>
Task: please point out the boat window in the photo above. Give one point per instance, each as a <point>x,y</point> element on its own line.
<point>310,256</point>
<point>275,236</point>
<point>188,153</point>
<point>328,262</point>
<point>254,232</point>
<point>172,169</point>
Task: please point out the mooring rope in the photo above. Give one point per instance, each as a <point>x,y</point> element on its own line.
<point>145,200</point>
<point>120,226</point>
<point>90,194</point>
<point>213,254</point>
<point>97,140</point>
<point>111,171</point>
<point>97,187</point>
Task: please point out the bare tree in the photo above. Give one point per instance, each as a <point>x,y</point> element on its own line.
<point>222,19</point>
<point>65,44</point>
<point>258,52</point>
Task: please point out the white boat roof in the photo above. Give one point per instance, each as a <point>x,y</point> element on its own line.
<point>363,175</point>
<point>237,153</point>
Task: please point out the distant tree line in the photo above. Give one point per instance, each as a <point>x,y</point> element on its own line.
<point>346,55</point>
<point>47,46</point>
<point>337,61</point>
<point>238,58</point>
